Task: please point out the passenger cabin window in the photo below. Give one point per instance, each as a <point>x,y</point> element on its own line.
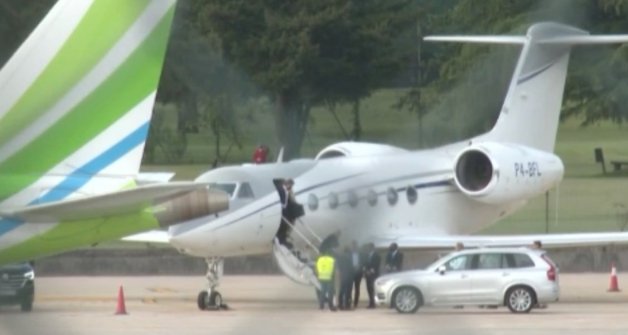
<point>227,187</point>
<point>312,202</point>
<point>371,198</point>
<point>333,200</point>
<point>411,194</point>
<point>245,191</point>
<point>353,198</point>
<point>520,261</point>
<point>392,196</point>
<point>490,261</point>
<point>458,263</point>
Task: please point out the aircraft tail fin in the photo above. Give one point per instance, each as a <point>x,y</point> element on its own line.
<point>531,109</point>
<point>76,98</point>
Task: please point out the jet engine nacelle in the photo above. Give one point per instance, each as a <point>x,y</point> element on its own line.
<point>191,205</point>
<point>355,149</point>
<point>496,173</point>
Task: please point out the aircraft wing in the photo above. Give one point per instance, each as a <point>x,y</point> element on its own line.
<point>105,205</point>
<point>152,236</point>
<point>145,178</point>
<point>563,240</point>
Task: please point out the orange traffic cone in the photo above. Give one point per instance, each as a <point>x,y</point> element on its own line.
<point>614,285</point>
<point>121,309</point>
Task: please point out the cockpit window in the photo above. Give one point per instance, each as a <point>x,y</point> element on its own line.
<point>245,191</point>
<point>227,187</point>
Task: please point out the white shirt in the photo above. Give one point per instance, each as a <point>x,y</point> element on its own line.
<point>356,259</point>
<point>287,196</point>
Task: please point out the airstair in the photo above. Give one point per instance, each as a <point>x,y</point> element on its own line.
<point>298,263</point>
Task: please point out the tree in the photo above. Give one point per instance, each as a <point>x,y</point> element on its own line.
<point>305,53</point>
<point>595,87</point>
<point>17,20</point>
<point>200,83</point>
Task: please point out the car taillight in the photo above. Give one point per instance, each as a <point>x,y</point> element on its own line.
<point>551,272</point>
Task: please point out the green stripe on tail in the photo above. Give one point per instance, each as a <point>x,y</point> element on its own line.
<point>99,30</point>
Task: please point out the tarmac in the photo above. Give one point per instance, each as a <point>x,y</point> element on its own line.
<point>275,305</point>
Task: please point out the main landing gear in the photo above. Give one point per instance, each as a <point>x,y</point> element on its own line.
<point>210,299</point>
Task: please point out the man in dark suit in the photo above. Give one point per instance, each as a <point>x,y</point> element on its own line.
<point>288,209</point>
<point>371,272</point>
<point>330,243</point>
<point>357,260</point>
<point>394,259</point>
<point>346,270</point>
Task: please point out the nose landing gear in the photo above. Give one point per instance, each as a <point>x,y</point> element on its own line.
<point>211,299</point>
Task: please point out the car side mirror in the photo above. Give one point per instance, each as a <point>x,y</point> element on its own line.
<point>441,269</point>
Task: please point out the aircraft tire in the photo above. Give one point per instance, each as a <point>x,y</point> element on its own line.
<point>202,300</point>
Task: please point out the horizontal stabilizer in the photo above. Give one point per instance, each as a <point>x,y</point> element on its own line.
<point>145,178</point>
<point>585,39</point>
<point>567,40</point>
<point>105,205</point>
<point>565,240</point>
<point>530,113</point>
<point>478,39</point>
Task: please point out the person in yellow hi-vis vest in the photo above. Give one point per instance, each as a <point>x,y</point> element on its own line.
<point>325,271</point>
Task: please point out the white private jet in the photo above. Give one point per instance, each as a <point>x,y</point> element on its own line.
<point>423,199</point>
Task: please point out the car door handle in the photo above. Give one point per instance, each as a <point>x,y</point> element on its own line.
<point>505,274</point>
<point>463,276</point>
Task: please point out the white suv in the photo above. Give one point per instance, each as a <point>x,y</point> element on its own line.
<point>519,278</point>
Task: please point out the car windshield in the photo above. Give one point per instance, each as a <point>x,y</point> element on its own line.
<point>15,266</point>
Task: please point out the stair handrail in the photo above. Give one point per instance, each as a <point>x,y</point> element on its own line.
<point>309,229</point>
<point>303,237</point>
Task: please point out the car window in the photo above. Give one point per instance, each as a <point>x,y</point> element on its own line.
<point>522,261</point>
<point>458,263</point>
<point>489,261</point>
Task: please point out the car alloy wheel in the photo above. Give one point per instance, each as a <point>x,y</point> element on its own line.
<point>406,300</point>
<point>520,300</point>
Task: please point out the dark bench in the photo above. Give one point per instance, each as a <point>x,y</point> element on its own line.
<point>618,164</point>
<point>599,158</point>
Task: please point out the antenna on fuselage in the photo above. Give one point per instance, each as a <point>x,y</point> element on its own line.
<point>280,156</point>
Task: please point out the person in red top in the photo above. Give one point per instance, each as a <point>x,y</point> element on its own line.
<point>260,155</point>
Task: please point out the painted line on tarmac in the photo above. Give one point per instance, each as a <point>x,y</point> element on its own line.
<point>162,290</point>
<point>146,300</point>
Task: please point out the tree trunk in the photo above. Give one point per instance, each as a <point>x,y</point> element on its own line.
<point>356,133</point>
<point>291,119</point>
<point>215,125</point>
<point>188,115</point>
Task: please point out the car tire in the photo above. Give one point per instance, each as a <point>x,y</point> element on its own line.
<point>26,305</point>
<point>520,299</point>
<point>407,299</point>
